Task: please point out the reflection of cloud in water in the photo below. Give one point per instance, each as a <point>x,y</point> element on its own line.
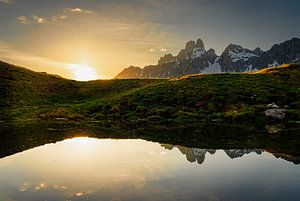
<point>24,187</point>
<point>115,199</point>
<point>59,187</point>
<point>80,194</point>
<point>158,153</point>
<point>139,182</point>
<point>40,186</point>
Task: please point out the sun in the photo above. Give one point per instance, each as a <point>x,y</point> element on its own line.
<point>83,72</point>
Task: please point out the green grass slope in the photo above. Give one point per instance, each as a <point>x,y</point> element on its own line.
<point>190,100</point>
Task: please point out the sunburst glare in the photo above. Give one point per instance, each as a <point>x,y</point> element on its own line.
<point>82,72</point>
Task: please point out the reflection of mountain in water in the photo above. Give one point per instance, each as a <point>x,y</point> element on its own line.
<point>237,153</point>
<point>196,154</point>
<point>295,160</point>
<point>192,154</point>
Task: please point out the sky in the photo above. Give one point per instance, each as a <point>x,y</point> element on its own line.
<point>96,39</point>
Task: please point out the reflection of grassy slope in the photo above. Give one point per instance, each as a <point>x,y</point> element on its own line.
<point>183,101</point>
<point>16,137</point>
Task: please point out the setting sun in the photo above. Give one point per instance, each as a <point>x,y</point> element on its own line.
<point>83,72</point>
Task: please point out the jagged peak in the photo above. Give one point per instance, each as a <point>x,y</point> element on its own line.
<point>166,59</point>
<point>258,51</point>
<point>190,45</point>
<point>233,47</point>
<point>211,51</point>
<point>133,67</point>
<point>200,43</point>
<point>293,41</point>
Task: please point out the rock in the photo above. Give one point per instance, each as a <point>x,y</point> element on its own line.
<point>181,56</point>
<point>276,113</point>
<point>199,43</point>
<point>61,119</point>
<point>166,59</point>
<point>273,129</point>
<point>273,106</point>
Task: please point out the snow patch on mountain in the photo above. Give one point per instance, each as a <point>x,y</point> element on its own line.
<point>197,53</point>
<point>213,67</point>
<point>237,56</point>
<point>274,64</point>
<point>250,68</point>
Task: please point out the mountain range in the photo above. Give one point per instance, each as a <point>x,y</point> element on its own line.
<point>195,59</point>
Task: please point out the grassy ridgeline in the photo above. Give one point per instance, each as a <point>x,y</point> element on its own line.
<point>238,98</point>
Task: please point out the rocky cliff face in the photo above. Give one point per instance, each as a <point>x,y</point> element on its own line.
<point>196,59</point>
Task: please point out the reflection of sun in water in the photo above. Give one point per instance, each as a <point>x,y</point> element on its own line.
<point>82,144</point>
<point>83,72</point>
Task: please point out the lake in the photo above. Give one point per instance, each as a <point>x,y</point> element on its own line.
<point>95,169</point>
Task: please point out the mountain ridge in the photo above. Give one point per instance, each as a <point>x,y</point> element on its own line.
<point>195,59</point>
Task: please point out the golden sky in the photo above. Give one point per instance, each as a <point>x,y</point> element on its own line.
<point>101,38</point>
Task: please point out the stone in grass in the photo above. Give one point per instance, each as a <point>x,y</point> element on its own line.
<point>276,113</point>
<point>273,106</point>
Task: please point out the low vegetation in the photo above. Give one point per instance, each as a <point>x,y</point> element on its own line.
<point>181,102</point>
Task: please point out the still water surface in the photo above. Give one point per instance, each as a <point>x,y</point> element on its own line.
<point>136,170</point>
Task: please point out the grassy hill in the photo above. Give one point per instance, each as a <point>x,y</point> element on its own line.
<point>181,102</point>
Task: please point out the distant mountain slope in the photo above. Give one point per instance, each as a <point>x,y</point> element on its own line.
<point>195,59</point>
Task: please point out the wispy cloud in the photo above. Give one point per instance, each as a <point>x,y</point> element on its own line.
<point>6,1</point>
<point>34,19</point>
<point>80,10</point>
<point>56,18</point>
<point>38,19</point>
<point>158,49</point>
<point>23,20</point>
<point>152,50</point>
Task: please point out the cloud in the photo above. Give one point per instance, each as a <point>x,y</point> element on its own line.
<point>152,50</point>
<point>56,18</point>
<point>6,1</point>
<point>158,49</point>
<point>38,19</point>
<point>23,20</point>
<point>40,186</point>
<point>80,10</point>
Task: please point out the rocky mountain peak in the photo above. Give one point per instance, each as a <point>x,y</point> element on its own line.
<point>233,48</point>
<point>195,59</point>
<point>211,52</point>
<point>190,45</point>
<point>167,58</point>
<point>258,51</point>
<point>189,48</point>
<point>194,49</point>
<point>200,43</point>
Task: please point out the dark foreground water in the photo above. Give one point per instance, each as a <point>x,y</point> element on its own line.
<point>91,169</point>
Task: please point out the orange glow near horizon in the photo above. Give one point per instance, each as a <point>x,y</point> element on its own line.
<point>83,72</point>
